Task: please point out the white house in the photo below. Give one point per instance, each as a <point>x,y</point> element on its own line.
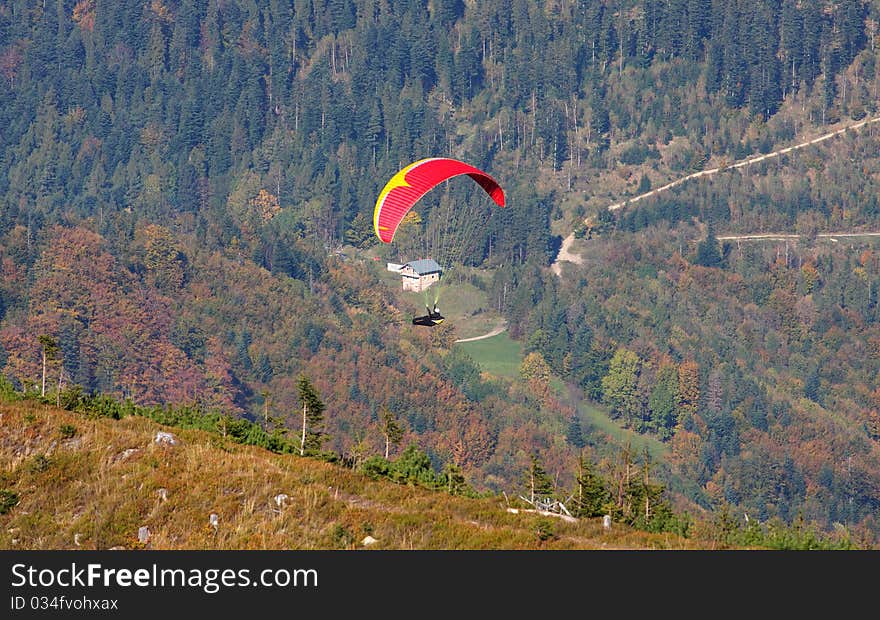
<point>418,275</point>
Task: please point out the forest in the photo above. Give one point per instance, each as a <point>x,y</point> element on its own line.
<point>178,178</point>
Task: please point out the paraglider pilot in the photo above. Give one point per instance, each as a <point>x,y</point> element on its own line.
<point>431,319</point>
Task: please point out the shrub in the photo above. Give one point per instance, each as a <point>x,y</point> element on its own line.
<point>637,154</point>
<point>8,500</point>
<point>7,390</point>
<point>342,538</point>
<point>39,464</point>
<point>72,397</point>
<point>102,406</point>
<point>414,466</point>
<point>545,530</point>
<point>376,467</point>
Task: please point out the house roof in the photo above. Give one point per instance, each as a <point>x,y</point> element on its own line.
<point>424,266</point>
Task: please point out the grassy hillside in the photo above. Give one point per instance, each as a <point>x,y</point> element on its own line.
<point>498,355</point>
<point>93,483</point>
<point>501,356</point>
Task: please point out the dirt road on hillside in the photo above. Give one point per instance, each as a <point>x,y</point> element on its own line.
<point>495,331</point>
<point>566,255</point>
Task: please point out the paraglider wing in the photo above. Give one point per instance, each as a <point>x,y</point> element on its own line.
<point>407,186</point>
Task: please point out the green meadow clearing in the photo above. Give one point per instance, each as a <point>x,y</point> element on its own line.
<point>499,355</point>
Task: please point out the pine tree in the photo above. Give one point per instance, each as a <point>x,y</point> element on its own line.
<point>455,482</point>
<point>688,392</point>
<point>191,123</point>
<point>313,435</point>
<point>708,254</point>
<point>791,32</point>
<point>590,494</point>
<point>242,349</point>
<point>662,402</point>
<point>447,11</point>
<point>263,368</point>
<point>575,435</point>
<point>50,353</point>
<point>600,122</point>
<point>156,54</point>
<point>538,484</point>
<point>646,505</point>
<point>812,385</point>
<point>390,430</point>
<point>360,232</point>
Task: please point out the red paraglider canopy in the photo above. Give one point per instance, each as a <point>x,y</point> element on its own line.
<point>407,186</point>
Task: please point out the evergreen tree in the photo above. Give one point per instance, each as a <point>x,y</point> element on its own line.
<point>708,253</point>
<point>390,430</point>
<point>50,349</point>
<point>600,122</point>
<point>360,233</point>
<point>539,485</point>
<point>313,435</point>
<point>812,385</point>
<point>242,350</point>
<point>662,401</point>
<point>263,368</point>
<point>591,494</point>
<point>414,466</point>
<point>455,481</point>
<point>645,505</point>
<point>574,435</point>
<point>447,11</point>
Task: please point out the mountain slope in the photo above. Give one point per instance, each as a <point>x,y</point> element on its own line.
<point>94,483</point>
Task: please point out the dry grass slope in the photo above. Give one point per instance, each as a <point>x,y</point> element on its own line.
<point>94,487</point>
